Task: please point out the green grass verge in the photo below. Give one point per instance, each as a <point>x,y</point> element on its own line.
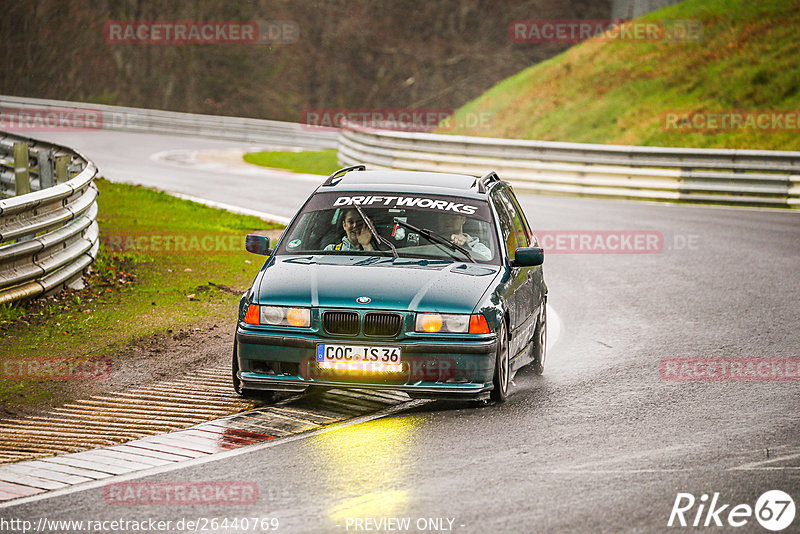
<point>620,92</point>
<point>321,162</point>
<point>158,259</point>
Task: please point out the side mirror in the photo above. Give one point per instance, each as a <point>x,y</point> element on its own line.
<point>257,244</point>
<point>528,257</point>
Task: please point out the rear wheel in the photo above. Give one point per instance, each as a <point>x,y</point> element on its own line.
<point>540,342</point>
<point>501,367</point>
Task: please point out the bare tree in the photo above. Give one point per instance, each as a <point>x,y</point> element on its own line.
<point>350,53</point>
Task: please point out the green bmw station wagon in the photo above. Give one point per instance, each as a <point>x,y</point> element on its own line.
<point>423,282</point>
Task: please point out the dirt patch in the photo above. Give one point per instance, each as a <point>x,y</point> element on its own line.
<point>172,354</point>
<point>144,362</point>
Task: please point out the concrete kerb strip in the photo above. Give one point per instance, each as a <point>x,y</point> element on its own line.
<point>83,486</point>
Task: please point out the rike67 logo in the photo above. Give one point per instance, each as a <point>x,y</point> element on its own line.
<point>774,510</point>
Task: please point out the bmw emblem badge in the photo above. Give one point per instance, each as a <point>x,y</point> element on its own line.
<point>363,300</point>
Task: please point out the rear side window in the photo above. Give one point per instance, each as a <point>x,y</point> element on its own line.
<point>514,211</point>
<point>508,234</point>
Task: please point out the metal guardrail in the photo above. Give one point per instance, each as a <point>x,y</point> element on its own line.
<point>744,177</point>
<point>126,119</point>
<point>48,217</point>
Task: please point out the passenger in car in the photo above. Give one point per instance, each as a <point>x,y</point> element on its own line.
<point>452,227</point>
<point>356,234</point>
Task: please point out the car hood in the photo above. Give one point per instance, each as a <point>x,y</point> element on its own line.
<point>391,284</point>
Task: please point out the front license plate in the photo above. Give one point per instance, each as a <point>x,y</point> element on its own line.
<point>358,353</point>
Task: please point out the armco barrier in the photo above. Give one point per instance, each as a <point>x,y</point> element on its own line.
<point>166,122</point>
<point>48,217</point>
<point>743,177</point>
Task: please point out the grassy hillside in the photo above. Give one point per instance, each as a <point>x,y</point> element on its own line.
<point>619,92</point>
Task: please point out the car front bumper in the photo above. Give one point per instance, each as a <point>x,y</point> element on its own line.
<point>442,368</point>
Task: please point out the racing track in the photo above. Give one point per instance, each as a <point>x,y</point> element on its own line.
<point>599,443</point>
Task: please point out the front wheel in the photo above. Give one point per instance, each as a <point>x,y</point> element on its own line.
<point>237,383</point>
<point>501,367</point>
<point>265,396</point>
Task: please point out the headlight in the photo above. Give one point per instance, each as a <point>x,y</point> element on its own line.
<point>429,322</point>
<point>300,317</point>
<point>451,323</point>
<point>278,316</point>
<point>456,323</point>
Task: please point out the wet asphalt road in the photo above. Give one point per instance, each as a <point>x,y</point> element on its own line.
<point>599,443</point>
<point>150,160</point>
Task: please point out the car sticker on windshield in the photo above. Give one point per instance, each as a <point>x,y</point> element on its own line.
<point>399,204</point>
<point>410,202</point>
<point>294,244</point>
<point>398,232</point>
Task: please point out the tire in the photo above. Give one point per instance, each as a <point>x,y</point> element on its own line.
<point>237,384</point>
<point>540,342</point>
<point>265,396</point>
<point>502,367</point>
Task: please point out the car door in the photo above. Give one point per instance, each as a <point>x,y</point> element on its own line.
<point>537,277</point>
<point>514,293</point>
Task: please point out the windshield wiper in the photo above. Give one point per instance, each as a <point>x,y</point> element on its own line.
<point>375,233</point>
<point>432,236</point>
<point>369,260</point>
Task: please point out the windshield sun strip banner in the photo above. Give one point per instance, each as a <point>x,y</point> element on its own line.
<point>434,203</point>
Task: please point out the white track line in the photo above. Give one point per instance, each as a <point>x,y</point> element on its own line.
<point>762,464</point>
<point>233,209</point>
<point>189,159</point>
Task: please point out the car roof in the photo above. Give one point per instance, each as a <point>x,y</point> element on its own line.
<point>434,183</point>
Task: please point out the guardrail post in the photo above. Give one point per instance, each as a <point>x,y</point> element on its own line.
<point>22,177</point>
<point>46,178</point>
<point>61,169</point>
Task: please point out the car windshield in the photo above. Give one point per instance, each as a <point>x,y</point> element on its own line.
<point>401,225</point>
